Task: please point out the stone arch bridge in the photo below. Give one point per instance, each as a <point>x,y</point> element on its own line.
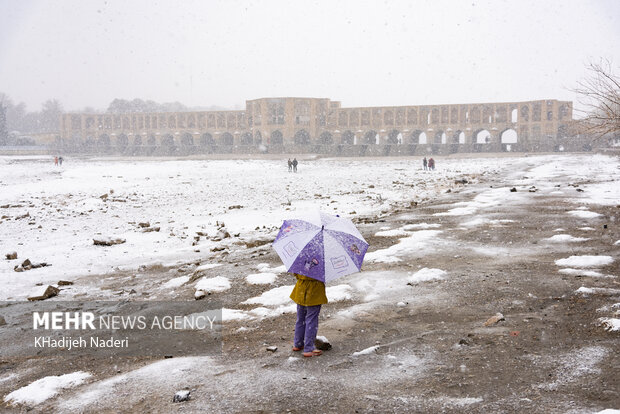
<point>302,125</point>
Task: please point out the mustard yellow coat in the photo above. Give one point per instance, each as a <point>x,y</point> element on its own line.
<point>308,291</point>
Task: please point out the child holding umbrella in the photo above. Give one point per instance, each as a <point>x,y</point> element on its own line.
<point>309,295</point>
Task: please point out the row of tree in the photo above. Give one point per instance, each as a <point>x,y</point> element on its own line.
<point>15,117</point>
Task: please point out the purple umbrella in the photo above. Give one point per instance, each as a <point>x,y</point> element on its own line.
<point>320,246</point>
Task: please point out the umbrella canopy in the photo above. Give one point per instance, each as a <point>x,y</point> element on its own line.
<point>320,246</point>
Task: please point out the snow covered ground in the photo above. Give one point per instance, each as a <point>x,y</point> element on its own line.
<point>66,208</point>
<point>51,214</point>
<point>189,198</point>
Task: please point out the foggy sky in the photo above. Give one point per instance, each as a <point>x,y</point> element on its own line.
<point>202,53</point>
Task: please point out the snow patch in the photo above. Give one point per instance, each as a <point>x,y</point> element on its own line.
<point>263,312</point>
<point>338,293</point>
<point>214,284</point>
<point>426,274</point>
<point>265,268</point>
<point>583,272</point>
<point>600,291</point>
<point>274,297</point>
<point>176,282</point>
<point>586,214</point>
<point>261,278</point>
<point>234,315</point>
<point>415,242</point>
<point>575,365</point>
<point>565,238</point>
<point>392,233</point>
<point>610,324</point>
<point>366,351</point>
<point>585,261</point>
<point>45,388</point>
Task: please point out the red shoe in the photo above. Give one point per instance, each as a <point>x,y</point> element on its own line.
<point>316,352</point>
<point>295,349</point>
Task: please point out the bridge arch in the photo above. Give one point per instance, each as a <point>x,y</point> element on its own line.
<point>326,138</point>
<point>187,140</point>
<point>122,142</point>
<point>393,137</point>
<point>227,139</point>
<point>509,136</point>
<point>440,137</point>
<point>302,137</point>
<point>482,136</point>
<point>276,138</point>
<point>247,139</point>
<point>348,137</point>
<point>458,137</point>
<point>414,137</point>
<point>370,137</point>
<point>103,142</point>
<point>167,140</point>
<point>206,139</point>
<point>90,142</point>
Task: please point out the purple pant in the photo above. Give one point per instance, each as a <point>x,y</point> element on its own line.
<point>307,326</point>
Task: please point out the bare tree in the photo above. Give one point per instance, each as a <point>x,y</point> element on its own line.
<point>599,96</point>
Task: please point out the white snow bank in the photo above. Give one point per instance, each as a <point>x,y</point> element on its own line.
<point>380,286</point>
<point>585,261</point>
<point>214,284</point>
<point>459,402</point>
<point>338,293</point>
<point>263,312</point>
<point>261,278</point>
<point>366,351</point>
<point>274,297</point>
<point>417,242</point>
<point>426,274</point>
<point>234,315</point>
<point>617,243</point>
<point>583,272</point>
<point>158,377</point>
<point>603,193</point>
<point>176,282</point>
<point>610,324</point>
<point>265,268</point>
<point>586,214</point>
<point>392,233</point>
<point>565,238</point>
<point>458,211</point>
<point>45,388</point>
<point>601,291</point>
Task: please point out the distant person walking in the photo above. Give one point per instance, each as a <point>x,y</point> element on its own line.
<point>295,164</point>
<point>290,165</point>
<point>56,161</point>
<point>60,161</point>
<point>431,164</point>
<point>425,163</point>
